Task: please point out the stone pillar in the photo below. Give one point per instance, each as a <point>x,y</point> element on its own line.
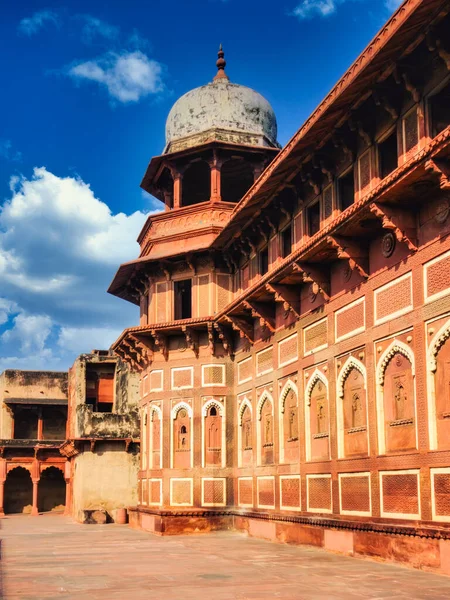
<point>177,190</point>
<point>34,510</point>
<point>2,495</point>
<point>40,425</point>
<point>67,478</point>
<point>215,182</point>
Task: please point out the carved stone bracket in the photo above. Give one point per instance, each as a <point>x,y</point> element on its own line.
<point>442,170</point>
<point>225,337</point>
<point>402,78</point>
<point>263,312</point>
<point>243,326</point>
<point>384,103</point>
<point>435,45</point>
<point>358,127</point>
<point>347,249</point>
<point>160,342</point>
<point>399,221</point>
<point>289,295</point>
<point>191,339</point>
<point>318,276</point>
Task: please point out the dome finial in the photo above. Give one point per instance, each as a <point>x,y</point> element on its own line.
<point>221,64</point>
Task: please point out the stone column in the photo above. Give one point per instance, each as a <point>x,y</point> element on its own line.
<point>2,494</point>
<point>68,498</point>
<point>177,190</point>
<point>215,182</point>
<point>34,509</point>
<point>40,425</point>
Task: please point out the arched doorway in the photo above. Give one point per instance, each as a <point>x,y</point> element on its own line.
<point>51,490</point>
<point>18,491</point>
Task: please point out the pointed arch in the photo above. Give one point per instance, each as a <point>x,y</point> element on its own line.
<point>244,404</point>
<point>288,386</point>
<point>350,363</point>
<point>436,343</point>
<point>176,409</point>
<point>155,409</point>
<point>155,453</point>
<point>394,348</point>
<point>212,402</point>
<point>315,377</point>
<point>264,396</point>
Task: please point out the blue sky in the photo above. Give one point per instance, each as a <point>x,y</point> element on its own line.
<point>86,89</point>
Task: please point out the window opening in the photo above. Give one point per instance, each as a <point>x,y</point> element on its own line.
<point>264,260</point>
<point>440,110</point>
<point>183,299</point>
<point>286,241</point>
<point>313,218</point>
<point>346,185</point>
<point>388,155</point>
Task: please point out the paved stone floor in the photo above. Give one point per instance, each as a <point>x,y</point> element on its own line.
<point>52,557</point>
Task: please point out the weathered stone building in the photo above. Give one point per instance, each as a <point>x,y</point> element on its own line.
<point>294,341</point>
<point>70,441</point>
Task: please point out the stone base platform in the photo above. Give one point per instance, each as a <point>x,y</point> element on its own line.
<point>426,548</point>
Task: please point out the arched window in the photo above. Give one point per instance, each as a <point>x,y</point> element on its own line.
<point>196,184</point>
<point>236,178</point>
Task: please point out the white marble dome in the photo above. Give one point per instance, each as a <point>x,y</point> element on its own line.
<point>238,112</point>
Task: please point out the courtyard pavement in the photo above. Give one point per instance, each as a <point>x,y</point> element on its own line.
<point>51,557</point>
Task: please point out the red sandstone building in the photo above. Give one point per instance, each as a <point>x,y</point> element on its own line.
<point>294,342</point>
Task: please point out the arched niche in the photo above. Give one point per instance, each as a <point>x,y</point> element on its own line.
<point>396,411</point>
<point>289,423</point>
<point>213,433</point>
<point>265,430</point>
<point>236,178</point>
<point>352,418</point>
<point>196,186</point>
<point>245,434</point>
<point>438,383</point>
<point>182,436</point>
<point>155,437</point>
<point>317,417</point>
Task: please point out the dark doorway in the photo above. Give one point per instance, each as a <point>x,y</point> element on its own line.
<point>183,299</point>
<point>51,490</point>
<point>18,491</point>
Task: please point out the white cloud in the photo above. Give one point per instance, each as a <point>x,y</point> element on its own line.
<point>73,339</point>
<point>307,9</point>
<point>94,27</point>
<point>31,25</point>
<point>392,4</point>
<point>59,249</point>
<point>30,331</point>
<point>7,151</point>
<point>128,76</point>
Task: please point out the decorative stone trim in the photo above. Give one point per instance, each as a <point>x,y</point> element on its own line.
<point>288,386</point>
<point>350,363</point>
<point>212,402</point>
<point>436,343</point>
<point>264,396</point>
<point>178,407</point>
<point>316,376</point>
<point>245,402</point>
<point>395,347</point>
